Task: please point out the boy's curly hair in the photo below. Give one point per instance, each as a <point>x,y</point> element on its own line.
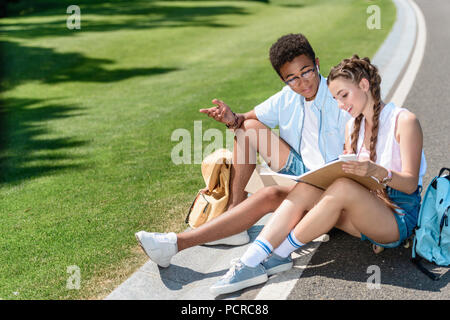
<point>287,48</point>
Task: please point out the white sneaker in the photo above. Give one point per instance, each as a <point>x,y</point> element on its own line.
<point>159,247</point>
<point>234,240</point>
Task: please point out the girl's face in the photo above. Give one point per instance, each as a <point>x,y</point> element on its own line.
<point>351,97</point>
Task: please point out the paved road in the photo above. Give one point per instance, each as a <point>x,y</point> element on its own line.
<point>339,268</point>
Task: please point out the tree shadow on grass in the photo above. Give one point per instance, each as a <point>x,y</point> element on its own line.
<point>23,154</point>
<point>120,15</point>
<point>51,7</point>
<point>21,64</point>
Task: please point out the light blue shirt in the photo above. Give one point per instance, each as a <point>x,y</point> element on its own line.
<point>286,110</point>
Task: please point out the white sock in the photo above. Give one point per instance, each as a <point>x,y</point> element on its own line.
<point>289,245</point>
<point>257,252</point>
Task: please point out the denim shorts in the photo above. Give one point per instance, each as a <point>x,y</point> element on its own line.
<point>294,165</point>
<point>406,216</point>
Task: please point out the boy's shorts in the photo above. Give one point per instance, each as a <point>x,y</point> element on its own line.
<point>294,165</point>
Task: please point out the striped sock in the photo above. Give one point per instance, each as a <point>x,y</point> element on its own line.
<point>257,252</point>
<point>289,245</point>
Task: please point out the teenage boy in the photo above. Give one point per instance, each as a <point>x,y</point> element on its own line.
<point>311,133</point>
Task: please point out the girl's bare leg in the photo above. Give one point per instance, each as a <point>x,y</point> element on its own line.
<point>297,203</point>
<point>236,220</point>
<point>351,208</point>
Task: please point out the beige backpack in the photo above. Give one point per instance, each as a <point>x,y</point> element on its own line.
<point>212,201</point>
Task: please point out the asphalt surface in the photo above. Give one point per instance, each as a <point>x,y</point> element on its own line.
<point>339,268</point>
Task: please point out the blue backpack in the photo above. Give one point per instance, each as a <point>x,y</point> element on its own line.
<point>432,235</point>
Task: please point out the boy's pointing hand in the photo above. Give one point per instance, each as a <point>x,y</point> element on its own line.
<point>221,112</point>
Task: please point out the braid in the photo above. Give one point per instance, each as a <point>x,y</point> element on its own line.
<point>374,135</point>
<point>355,133</point>
<point>355,69</point>
<point>374,81</point>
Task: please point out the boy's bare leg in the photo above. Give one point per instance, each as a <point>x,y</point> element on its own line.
<point>252,137</point>
<point>243,212</point>
<point>237,219</point>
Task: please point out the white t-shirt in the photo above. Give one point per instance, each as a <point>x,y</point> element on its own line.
<point>309,148</point>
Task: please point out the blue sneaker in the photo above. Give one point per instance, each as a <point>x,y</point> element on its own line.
<point>274,264</point>
<point>239,277</point>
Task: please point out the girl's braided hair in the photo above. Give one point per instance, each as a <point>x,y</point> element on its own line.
<point>355,69</point>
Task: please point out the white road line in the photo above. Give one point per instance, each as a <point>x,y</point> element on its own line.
<point>393,55</point>
<point>280,285</point>
<point>409,76</point>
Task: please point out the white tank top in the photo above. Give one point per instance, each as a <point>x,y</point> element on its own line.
<point>388,149</point>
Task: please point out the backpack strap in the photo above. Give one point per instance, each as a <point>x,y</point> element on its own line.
<point>200,193</point>
<point>442,171</point>
<point>434,183</point>
<point>418,262</point>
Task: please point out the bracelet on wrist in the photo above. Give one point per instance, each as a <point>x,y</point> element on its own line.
<point>385,180</point>
<point>235,122</point>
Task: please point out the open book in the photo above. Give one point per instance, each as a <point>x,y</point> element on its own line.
<point>324,176</point>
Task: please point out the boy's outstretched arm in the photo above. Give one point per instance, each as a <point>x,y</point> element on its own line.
<point>222,113</point>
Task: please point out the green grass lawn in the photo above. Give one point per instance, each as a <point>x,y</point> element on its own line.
<point>87,117</point>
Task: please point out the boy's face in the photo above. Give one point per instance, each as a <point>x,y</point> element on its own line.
<point>302,76</point>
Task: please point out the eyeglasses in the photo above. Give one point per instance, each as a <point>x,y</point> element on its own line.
<point>308,74</point>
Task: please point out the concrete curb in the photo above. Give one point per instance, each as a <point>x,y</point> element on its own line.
<point>393,56</point>
<point>195,269</point>
<point>189,276</point>
<point>406,79</point>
